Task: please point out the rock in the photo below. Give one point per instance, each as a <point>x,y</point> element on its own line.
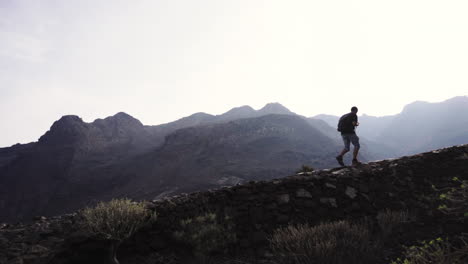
<point>329,185</point>
<point>40,218</point>
<point>16,261</point>
<point>363,187</point>
<point>283,198</point>
<point>365,196</point>
<point>310,203</point>
<point>355,206</point>
<point>259,236</point>
<point>38,249</point>
<point>329,201</point>
<point>244,243</point>
<point>351,192</point>
<point>338,172</point>
<point>301,193</point>
<point>463,157</point>
<point>282,219</point>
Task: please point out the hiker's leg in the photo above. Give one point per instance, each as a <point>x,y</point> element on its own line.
<point>355,153</point>
<point>357,146</point>
<point>344,151</point>
<point>346,142</point>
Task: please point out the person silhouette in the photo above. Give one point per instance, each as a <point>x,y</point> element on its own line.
<point>347,126</point>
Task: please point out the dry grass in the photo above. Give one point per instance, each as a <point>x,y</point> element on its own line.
<point>328,243</point>
<point>389,219</point>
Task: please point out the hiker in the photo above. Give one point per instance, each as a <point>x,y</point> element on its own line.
<point>346,126</point>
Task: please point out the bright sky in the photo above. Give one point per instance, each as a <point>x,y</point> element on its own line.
<point>160,60</point>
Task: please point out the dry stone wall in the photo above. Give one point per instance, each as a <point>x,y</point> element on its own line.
<point>259,207</point>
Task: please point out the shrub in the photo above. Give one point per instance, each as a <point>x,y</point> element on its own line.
<point>206,234</point>
<point>305,169</point>
<point>437,251</point>
<point>116,221</point>
<point>389,219</point>
<point>456,200</point>
<point>328,243</point>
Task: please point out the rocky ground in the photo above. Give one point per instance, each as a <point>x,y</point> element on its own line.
<point>258,207</point>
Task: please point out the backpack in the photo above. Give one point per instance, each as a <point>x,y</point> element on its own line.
<point>343,122</point>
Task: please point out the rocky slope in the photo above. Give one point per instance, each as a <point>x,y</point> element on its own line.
<point>258,207</point>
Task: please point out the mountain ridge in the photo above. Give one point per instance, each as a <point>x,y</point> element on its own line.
<point>95,162</point>
<point>77,163</point>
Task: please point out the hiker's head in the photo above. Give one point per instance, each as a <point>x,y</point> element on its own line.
<point>354,109</point>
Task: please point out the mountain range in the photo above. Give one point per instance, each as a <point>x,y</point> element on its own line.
<point>75,163</point>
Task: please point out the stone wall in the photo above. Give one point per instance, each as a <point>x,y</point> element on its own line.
<point>257,208</point>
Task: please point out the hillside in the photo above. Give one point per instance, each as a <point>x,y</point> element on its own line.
<point>258,207</point>
<point>77,163</point>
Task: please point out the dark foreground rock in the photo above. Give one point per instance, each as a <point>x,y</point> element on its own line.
<point>257,208</point>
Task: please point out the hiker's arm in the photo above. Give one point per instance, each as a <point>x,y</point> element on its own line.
<point>355,121</point>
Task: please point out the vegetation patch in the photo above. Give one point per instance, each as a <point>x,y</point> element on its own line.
<point>206,234</point>
<point>437,251</point>
<point>116,221</point>
<point>305,169</point>
<point>327,243</point>
<point>388,220</point>
<point>455,200</point>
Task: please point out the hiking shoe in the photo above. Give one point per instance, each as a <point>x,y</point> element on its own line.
<point>356,162</point>
<point>340,160</point>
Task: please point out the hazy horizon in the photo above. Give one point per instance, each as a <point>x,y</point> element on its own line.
<point>163,60</point>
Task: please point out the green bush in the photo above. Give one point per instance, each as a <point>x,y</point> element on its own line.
<point>206,234</point>
<point>116,221</point>
<point>455,201</point>
<point>437,251</point>
<point>328,243</point>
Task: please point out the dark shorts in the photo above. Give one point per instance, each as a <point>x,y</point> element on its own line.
<point>350,138</point>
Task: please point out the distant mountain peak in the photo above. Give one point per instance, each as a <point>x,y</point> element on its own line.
<point>121,119</point>
<point>67,122</point>
<point>197,117</point>
<point>423,105</point>
<point>275,108</point>
<point>67,129</point>
<point>242,108</point>
<point>458,99</point>
<point>414,106</point>
<point>192,120</point>
<point>123,115</point>
<point>239,112</point>
<point>200,114</point>
<point>66,119</point>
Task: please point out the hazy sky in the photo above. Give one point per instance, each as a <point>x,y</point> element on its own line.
<point>162,60</point>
